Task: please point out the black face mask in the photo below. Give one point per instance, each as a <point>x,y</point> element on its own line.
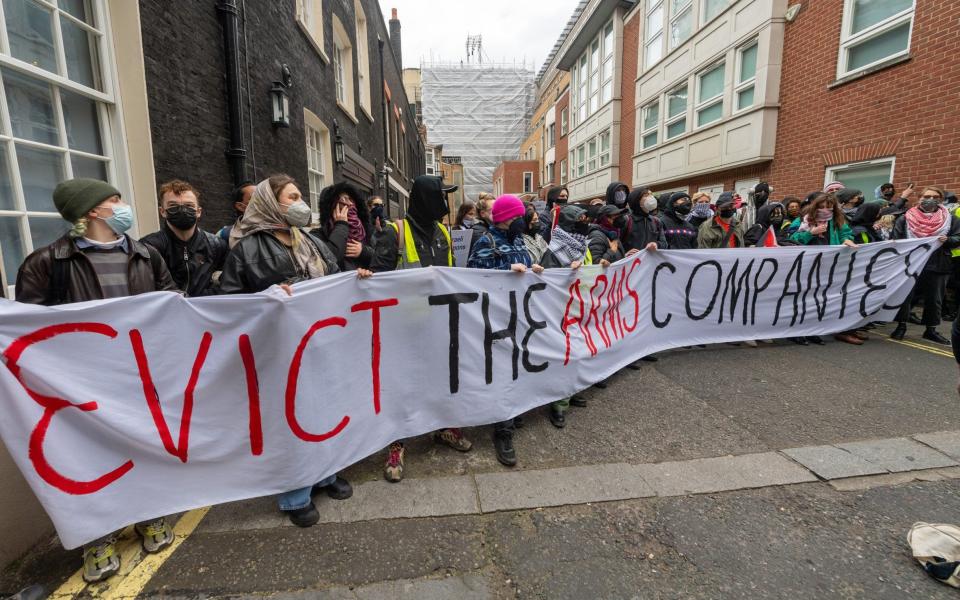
<point>682,209</point>
<point>376,212</point>
<point>887,194</point>
<point>727,213</point>
<point>760,199</point>
<point>182,218</point>
<point>516,228</point>
<point>533,228</point>
<point>582,227</point>
<point>620,222</point>
<point>776,220</point>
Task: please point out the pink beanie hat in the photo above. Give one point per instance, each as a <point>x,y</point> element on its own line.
<point>507,207</point>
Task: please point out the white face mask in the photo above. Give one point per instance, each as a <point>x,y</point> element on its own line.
<point>649,204</point>
<point>298,214</point>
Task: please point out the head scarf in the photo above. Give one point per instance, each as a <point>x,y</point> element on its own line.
<point>264,214</point>
<point>921,224</point>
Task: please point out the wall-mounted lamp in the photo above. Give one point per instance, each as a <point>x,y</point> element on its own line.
<point>281,99</point>
<point>792,12</point>
<point>338,144</point>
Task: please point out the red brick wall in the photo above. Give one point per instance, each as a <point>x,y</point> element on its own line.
<point>728,179</point>
<point>562,148</point>
<point>628,93</point>
<point>512,173</point>
<point>909,110</point>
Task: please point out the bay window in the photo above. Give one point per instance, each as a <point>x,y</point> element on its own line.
<point>873,31</point>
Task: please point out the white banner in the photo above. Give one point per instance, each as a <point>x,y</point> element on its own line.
<point>122,410</point>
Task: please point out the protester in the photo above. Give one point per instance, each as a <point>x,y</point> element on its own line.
<point>863,223</point>
<point>378,218</point>
<point>646,228</point>
<point>884,226</point>
<point>701,211</point>
<point>793,217</point>
<point>833,187</point>
<point>769,216</point>
<point>884,193</point>
<point>679,233</point>
<point>724,230</point>
<point>568,249</point>
<point>241,198</point>
<point>193,256</point>
<point>483,223</point>
<point>903,203</point>
<point>556,198</point>
<point>95,260</point>
<point>850,199</point>
<point>421,240</point>
<point>503,248</point>
<point>273,247</point>
<point>466,216</point>
<point>349,240</point>
<point>603,238</point>
<point>532,237</point>
<point>928,219</point>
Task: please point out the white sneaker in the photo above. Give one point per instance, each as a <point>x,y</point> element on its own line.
<point>751,343</point>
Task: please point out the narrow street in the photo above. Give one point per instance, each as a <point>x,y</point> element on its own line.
<point>723,472</point>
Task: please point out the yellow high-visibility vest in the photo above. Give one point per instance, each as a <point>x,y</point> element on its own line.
<point>407,257</point>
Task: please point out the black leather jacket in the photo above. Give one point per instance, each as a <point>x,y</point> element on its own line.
<point>260,260</point>
<point>191,263</point>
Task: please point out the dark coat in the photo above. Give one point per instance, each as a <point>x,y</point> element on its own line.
<point>601,247</point>
<point>336,234</point>
<point>753,236</point>
<point>861,223</point>
<point>191,263</point>
<point>679,233</point>
<point>645,228</point>
<point>941,261</point>
<point>260,260</point>
<point>146,272</point>
<point>427,206</point>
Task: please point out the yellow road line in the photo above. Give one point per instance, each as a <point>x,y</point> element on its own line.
<point>924,347</point>
<point>137,568</point>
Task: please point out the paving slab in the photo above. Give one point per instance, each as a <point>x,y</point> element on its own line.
<point>463,587</point>
<point>947,442</point>
<point>245,515</point>
<point>723,473</point>
<point>558,487</point>
<point>831,462</point>
<point>898,455</point>
<point>408,499</point>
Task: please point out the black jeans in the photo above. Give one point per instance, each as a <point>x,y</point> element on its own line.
<point>930,287</point>
<point>955,339</point>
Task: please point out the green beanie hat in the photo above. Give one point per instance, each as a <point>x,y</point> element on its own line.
<point>76,197</point>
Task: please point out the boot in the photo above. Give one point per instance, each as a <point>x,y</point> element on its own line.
<point>900,332</point>
<point>503,444</point>
<point>934,336</point>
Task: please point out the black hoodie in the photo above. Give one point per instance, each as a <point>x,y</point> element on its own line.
<point>756,232</point>
<point>612,189</point>
<point>336,234</point>
<point>861,223</point>
<point>546,217</point>
<point>680,234</point>
<point>645,228</point>
<point>428,204</point>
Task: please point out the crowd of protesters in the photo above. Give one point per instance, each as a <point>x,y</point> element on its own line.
<point>274,241</point>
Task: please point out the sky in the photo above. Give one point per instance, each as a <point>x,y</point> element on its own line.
<point>512,30</point>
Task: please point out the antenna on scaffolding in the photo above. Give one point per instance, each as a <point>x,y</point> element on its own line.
<point>475,49</point>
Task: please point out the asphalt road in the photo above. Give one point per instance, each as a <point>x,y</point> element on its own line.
<point>810,540</point>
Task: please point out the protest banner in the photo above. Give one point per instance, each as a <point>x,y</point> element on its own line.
<point>128,409</point>
<point>461,245</point>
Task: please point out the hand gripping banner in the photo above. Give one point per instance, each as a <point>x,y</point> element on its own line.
<point>122,410</point>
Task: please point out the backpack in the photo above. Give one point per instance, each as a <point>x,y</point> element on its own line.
<point>937,548</point>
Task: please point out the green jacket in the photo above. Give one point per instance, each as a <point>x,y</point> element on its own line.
<point>711,235</point>
<point>837,236</point>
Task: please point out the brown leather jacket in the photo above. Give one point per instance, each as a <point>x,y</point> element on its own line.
<point>146,272</point>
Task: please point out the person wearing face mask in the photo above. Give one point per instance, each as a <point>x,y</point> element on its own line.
<point>884,193</point>
<point>680,233</point>
<point>557,198</point>
<point>646,231</point>
<point>929,219</point>
<point>350,239</point>
<point>724,230</point>
<point>532,237</point>
<point>761,194</point>
<point>863,223</point>
<point>769,215</point>
<point>603,237</point>
<point>617,194</point>
<point>466,216</point>
<point>902,204</point>
<point>241,197</point>
<point>824,224</point>
<point>95,260</point>
<point>793,215</point>
<point>378,217</point>
<point>192,254</point>
<point>503,249</point>
<point>701,210</point>
<point>850,199</point>
<point>421,240</point>
<point>273,247</point>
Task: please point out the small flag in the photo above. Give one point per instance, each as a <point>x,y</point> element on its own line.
<point>769,239</point>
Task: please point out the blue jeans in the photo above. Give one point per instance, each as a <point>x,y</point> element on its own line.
<point>297,499</point>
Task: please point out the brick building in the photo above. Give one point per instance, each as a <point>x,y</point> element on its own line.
<point>516,177</point>
<point>148,94</point>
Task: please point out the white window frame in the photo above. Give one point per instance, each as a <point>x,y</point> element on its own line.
<point>701,106</point>
<point>564,121</point>
<point>563,171</point>
<point>581,160</point>
<point>668,120</point>
<point>658,36</point>
<point>592,159</point>
<point>431,162</point>
<point>551,135</point>
<point>654,130</point>
<point>343,69</point>
<point>108,115</point>
<point>310,20</point>
<point>849,40</point>
<point>685,189</point>
<point>551,171</point>
<point>319,157</point>
<point>363,60</point>
<point>751,82</point>
<point>527,182</point>
<point>676,16</point>
<point>703,11</point>
<point>832,172</point>
<point>714,190</point>
<point>587,80</point>
<point>605,162</point>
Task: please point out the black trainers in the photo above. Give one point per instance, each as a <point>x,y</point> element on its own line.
<point>557,418</point>
<point>816,339</point>
<point>899,333</point>
<point>339,489</point>
<point>601,385</point>
<point>914,319</point>
<point>503,444</point>
<point>800,341</point>
<point>934,336</point>
<point>651,358</point>
<point>578,401</point>
<point>304,517</point>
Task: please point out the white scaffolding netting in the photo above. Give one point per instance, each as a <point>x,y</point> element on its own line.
<point>479,113</point>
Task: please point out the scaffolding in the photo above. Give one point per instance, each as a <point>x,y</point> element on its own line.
<point>479,113</point>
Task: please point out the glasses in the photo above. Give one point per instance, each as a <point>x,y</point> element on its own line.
<point>175,209</point>
<point>927,197</point>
